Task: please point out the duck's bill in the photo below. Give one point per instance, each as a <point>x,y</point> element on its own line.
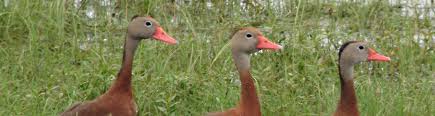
<point>264,43</point>
<point>161,35</point>
<point>374,56</point>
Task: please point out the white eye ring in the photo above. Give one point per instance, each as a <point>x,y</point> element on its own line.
<point>148,24</point>
<point>249,36</point>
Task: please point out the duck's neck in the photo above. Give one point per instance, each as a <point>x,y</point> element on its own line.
<point>249,103</point>
<point>348,103</point>
<point>122,83</point>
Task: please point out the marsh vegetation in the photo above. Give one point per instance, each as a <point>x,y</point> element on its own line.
<point>54,53</point>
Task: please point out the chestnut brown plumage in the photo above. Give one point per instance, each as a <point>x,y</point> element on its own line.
<point>351,53</point>
<point>119,99</point>
<point>243,43</point>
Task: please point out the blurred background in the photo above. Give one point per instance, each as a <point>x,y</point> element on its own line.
<point>54,53</point>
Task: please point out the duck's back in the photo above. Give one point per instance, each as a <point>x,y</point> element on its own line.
<point>99,108</point>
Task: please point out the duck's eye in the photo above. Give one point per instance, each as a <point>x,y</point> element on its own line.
<point>248,36</point>
<point>361,47</point>
<point>148,24</point>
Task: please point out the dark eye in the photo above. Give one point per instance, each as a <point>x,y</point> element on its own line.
<point>148,24</point>
<point>248,36</point>
<point>361,47</point>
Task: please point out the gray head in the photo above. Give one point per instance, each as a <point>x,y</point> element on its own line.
<point>357,51</point>
<point>250,40</point>
<point>147,27</point>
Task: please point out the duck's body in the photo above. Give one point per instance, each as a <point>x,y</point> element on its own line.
<point>351,53</point>
<point>119,100</point>
<point>117,105</point>
<point>244,42</point>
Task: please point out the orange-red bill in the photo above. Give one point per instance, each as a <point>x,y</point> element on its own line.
<point>374,56</point>
<point>264,43</point>
<point>162,36</point>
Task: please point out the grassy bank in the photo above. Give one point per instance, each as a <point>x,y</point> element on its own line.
<point>48,63</point>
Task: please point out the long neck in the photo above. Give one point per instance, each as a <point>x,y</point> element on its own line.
<point>348,103</point>
<point>122,83</point>
<point>249,103</point>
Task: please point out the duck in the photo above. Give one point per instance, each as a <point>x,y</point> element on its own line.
<point>350,54</point>
<point>118,100</point>
<point>244,42</point>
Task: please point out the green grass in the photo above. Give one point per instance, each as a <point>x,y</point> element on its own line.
<point>43,70</point>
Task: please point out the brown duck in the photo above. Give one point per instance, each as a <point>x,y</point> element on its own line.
<point>243,43</point>
<point>351,53</point>
<point>119,100</point>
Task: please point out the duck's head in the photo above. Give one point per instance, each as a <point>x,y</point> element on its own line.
<point>147,27</point>
<point>357,51</point>
<point>250,40</point>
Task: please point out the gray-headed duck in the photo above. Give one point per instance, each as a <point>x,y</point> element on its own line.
<point>244,42</point>
<point>119,99</point>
